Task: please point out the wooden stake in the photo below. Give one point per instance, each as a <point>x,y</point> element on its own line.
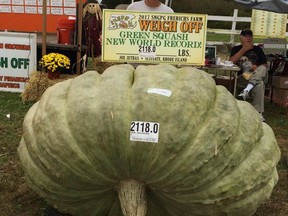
<point>79,36</point>
<point>44,19</point>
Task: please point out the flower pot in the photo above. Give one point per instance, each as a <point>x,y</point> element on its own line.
<point>53,75</point>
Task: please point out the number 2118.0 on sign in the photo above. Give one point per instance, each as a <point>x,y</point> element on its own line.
<point>144,131</point>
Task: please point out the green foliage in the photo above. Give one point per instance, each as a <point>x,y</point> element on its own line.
<point>112,4</point>
<point>213,7</point>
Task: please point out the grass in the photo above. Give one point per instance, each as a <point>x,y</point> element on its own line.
<point>17,199</point>
<point>15,195</point>
<point>11,118</point>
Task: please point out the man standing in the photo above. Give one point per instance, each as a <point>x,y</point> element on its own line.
<point>150,5</point>
<point>253,64</point>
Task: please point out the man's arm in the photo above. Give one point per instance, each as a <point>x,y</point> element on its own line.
<point>236,57</point>
<point>262,60</point>
<point>245,47</point>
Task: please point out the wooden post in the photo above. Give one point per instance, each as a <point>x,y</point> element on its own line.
<point>79,36</point>
<point>44,18</point>
<point>235,15</point>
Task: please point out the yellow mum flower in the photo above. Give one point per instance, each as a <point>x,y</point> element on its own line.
<point>55,61</point>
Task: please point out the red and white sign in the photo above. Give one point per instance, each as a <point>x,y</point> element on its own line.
<point>17,60</point>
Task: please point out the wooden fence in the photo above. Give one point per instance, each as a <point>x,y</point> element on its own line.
<point>234,19</point>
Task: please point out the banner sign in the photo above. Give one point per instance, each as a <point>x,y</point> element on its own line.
<point>54,7</point>
<point>17,60</point>
<point>175,38</point>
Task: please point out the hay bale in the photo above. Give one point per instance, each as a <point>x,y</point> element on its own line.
<point>39,81</point>
<point>100,66</point>
<point>37,85</point>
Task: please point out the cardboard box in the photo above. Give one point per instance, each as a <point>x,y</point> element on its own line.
<point>280,97</point>
<point>280,82</point>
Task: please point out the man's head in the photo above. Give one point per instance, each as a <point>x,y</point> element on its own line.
<point>246,32</point>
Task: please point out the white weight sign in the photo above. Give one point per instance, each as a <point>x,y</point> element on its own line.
<point>144,131</point>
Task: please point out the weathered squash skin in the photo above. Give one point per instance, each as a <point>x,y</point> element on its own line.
<point>214,155</point>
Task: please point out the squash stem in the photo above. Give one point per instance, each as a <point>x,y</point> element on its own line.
<point>132,196</point>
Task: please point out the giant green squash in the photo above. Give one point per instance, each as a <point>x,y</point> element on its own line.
<point>209,155</point>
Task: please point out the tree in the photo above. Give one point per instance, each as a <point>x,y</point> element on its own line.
<point>113,3</point>
<point>212,7</point>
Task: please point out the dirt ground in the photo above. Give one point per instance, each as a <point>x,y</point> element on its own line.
<point>277,205</point>
<point>17,199</point>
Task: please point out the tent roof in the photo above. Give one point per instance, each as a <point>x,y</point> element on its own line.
<point>278,6</point>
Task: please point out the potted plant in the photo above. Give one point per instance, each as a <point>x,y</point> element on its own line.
<point>54,63</point>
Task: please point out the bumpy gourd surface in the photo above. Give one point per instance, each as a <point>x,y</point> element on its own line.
<point>214,155</point>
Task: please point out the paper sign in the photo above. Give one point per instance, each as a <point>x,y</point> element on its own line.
<point>163,92</point>
<point>268,24</point>
<point>176,38</point>
<point>144,131</point>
